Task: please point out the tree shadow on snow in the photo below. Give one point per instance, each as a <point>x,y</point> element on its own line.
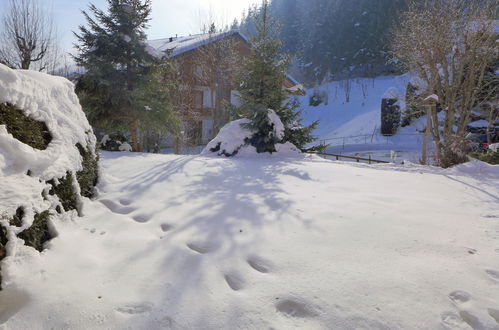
<point>230,201</point>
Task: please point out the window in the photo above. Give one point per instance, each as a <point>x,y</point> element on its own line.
<point>207,101</point>
<point>234,98</point>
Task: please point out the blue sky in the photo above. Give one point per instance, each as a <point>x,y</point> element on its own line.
<point>169,17</point>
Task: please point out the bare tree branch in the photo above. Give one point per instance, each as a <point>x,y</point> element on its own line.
<point>28,38</point>
<point>451,44</point>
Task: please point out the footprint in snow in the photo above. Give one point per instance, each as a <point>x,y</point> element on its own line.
<point>472,320</point>
<point>125,201</point>
<point>125,210</point>
<point>234,281</point>
<point>259,264</point>
<point>116,208</point>
<point>201,247</point>
<point>494,313</point>
<point>295,307</point>
<point>132,309</point>
<point>479,321</point>
<point>141,218</point>
<point>459,297</point>
<point>493,274</point>
<point>453,321</point>
<point>166,227</point>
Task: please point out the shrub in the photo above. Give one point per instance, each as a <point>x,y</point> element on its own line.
<point>70,134</point>
<point>89,175</point>
<point>39,233</point>
<point>3,250</point>
<point>17,219</point>
<point>65,191</point>
<point>112,142</point>
<point>489,157</point>
<point>23,128</point>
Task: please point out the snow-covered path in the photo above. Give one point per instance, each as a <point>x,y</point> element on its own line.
<point>209,243</point>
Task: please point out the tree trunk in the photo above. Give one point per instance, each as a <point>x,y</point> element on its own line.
<point>178,145</point>
<point>424,156</point>
<point>490,120</point>
<point>133,132</point>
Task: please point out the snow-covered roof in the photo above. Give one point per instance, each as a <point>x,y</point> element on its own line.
<point>293,80</point>
<point>432,97</point>
<point>181,45</point>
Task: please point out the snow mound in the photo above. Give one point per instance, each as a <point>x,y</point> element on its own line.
<point>230,139</point>
<point>477,168</point>
<point>40,180</point>
<point>125,147</point>
<point>234,139</point>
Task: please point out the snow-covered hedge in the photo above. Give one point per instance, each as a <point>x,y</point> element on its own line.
<point>47,157</point>
<point>235,139</point>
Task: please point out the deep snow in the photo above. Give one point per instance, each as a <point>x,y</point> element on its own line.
<point>193,242</point>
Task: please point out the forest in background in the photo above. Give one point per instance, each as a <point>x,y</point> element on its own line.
<point>334,39</point>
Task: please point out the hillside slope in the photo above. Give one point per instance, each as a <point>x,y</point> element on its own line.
<point>361,115</point>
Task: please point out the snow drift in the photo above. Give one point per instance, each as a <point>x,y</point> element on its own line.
<point>47,157</point>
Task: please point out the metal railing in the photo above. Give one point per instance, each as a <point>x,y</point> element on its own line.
<point>358,159</point>
<point>362,139</point>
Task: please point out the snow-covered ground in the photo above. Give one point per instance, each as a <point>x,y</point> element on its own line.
<point>192,242</point>
<point>360,116</point>
<point>353,128</point>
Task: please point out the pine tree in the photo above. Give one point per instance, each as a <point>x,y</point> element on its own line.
<point>119,70</point>
<point>261,88</point>
<point>265,138</point>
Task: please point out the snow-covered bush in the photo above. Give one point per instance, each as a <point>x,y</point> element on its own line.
<point>243,138</point>
<point>113,142</point>
<point>47,157</point>
<point>231,138</point>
